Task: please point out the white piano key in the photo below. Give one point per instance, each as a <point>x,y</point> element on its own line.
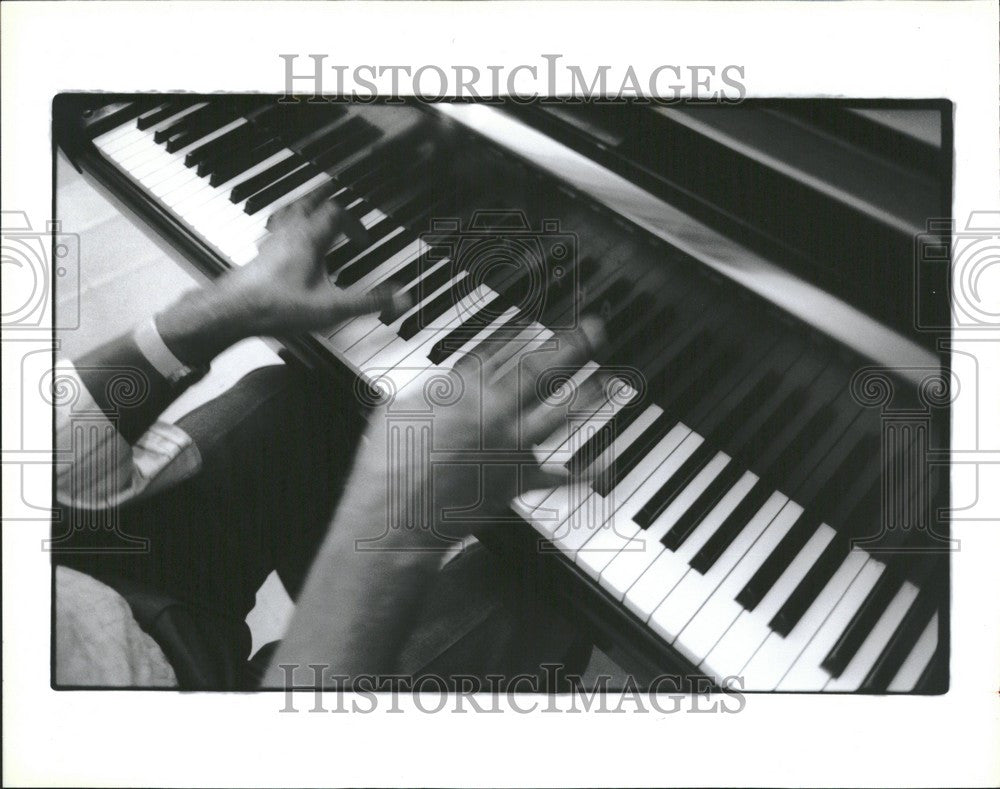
<point>556,449</point>
<point>918,659</point>
<point>413,352</point>
<point>183,190</point>
<point>140,144</point>
<point>257,169</point>
<point>596,511</point>
<point>395,262</point>
<point>721,609</point>
<point>537,498</point>
<point>110,138</point>
<point>778,653</point>
<point>647,582</point>
<point>110,146</point>
<point>806,673</point>
<point>378,340</point>
<point>244,256</point>
<point>626,535</point>
<point>518,348</point>
<point>676,612</point>
<point>151,161</point>
<point>299,191</point>
<point>165,181</point>
<point>857,669</point>
<point>350,333</point>
<point>746,635</point>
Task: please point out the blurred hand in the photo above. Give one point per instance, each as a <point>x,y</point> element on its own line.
<point>286,290</point>
<point>486,417</point>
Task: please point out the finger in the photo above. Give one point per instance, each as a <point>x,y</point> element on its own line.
<point>345,222</point>
<point>304,206</point>
<point>375,301</point>
<point>573,351</point>
<point>542,421</point>
<point>576,349</point>
<point>320,195</point>
<point>326,222</point>
<point>537,478</point>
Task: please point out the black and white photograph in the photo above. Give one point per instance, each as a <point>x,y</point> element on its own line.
<point>360,402</point>
<point>633,390</point>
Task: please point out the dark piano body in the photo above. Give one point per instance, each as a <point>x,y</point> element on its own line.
<point>775,369</point>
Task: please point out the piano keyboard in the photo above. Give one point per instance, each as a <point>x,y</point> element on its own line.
<point>715,503</point>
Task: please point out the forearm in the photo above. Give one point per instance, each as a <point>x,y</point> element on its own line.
<point>356,609</point>
<point>365,587</point>
<point>127,385</point>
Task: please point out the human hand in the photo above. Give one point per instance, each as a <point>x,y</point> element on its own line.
<point>454,448</point>
<point>284,291</point>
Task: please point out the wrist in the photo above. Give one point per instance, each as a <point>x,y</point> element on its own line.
<point>203,323</point>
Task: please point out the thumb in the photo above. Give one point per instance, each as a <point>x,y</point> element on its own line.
<point>377,300</point>
<point>538,478</point>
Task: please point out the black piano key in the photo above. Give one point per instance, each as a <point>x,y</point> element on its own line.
<point>628,460</point>
<point>449,344</point>
<point>723,537</point>
<point>169,108</point>
<point>204,154</point>
<point>774,565</point>
<point>238,163</point>
<point>427,314</point>
<point>677,388</point>
<point>750,403</point>
<point>589,269</point>
<point>263,179</point>
<point>397,186</point>
<point>283,177</point>
<point>372,259</point>
<point>730,528</point>
<point>341,150</point>
<point>294,121</point>
<point>809,587</point>
<point>232,163</point>
<point>128,111</point>
<point>861,624</point>
<point>234,150</point>
<point>844,473</point>
<point>774,427</point>
<point>279,189</point>
<point>900,644</point>
<point>509,290</point>
<point>820,573</point>
<point>415,212</point>
<point>405,276</point>
<point>775,468</point>
<point>182,124</point>
<point>704,504</point>
<point>598,443</point>
<point>345,253</point>
<point>199,123</point>
<point>419,291</point>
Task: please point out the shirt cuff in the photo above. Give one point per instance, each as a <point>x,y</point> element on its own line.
<point>147,338</point>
